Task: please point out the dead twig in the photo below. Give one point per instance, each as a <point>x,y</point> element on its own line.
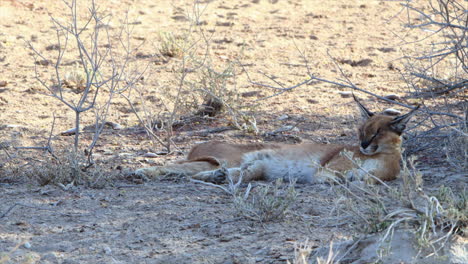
<point>33,207</point>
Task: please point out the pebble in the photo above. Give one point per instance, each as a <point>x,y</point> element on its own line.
<point>49,258</point>
<point>345,94</point>
<point>69,132</point>
<point>114,125</point>
<point>107,250</point>
<point>391,111</point>
<point>392,97</point>
<point>150,155</point>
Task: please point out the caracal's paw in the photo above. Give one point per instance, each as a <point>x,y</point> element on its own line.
<point>326,176</point>
<point>356,175</point>
<point>215,176</point>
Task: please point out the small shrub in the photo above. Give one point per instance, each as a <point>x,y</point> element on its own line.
<point>302,252</point>
<point>75,79</point>
<point>68,171</point>
<point>171,46</point>
<point>267,203</point>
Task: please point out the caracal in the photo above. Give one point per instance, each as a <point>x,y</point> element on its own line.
<point>378,154</point>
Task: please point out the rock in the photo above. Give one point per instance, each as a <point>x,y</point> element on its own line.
<point>125,154</point>
<point>69,261</point>
<point>43,62</point>
<point>52,47</point>
<point>392,97</point>
<point>402,248</point>
<point>225,238</point>
<point>107,250</point>
<point>114,126</point>
<point>283,117</point>
<point>49,258</point>
<point>27,245</point>
<point>69,132</point>
<point>251,94</point>
<point>150,155</point>
<point>391,111</point>
<point>359,63</point>
<point>3,83</point>
<point>10,126</point>
<point>345,94</point>
<point>288,128</point>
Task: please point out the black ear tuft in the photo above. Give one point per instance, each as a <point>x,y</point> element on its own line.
<point>398,124</point>
<point>364,111</point>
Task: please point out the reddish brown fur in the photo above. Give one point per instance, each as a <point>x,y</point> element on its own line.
<point>227,152</point>
<point>381,156</point>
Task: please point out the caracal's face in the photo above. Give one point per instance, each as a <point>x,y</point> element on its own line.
<point>376,135</point>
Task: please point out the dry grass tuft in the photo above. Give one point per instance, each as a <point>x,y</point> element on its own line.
<point>171,45</point>
<point>432,218</point>
<point>267,202</point>
<point>68,171</point>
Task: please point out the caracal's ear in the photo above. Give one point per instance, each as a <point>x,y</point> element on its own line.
<point>398,124</point>
<point>364,111</point>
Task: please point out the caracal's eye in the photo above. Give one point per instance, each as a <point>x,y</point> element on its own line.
<point>375,134</point>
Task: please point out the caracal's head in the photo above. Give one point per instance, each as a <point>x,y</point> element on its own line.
<point>381,133</point>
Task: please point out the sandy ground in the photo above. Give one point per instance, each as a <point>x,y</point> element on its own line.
<point>176,221</point>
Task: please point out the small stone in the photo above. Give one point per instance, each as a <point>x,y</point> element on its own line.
<point>70,261</point>
<point>251,94</point>
<point>11,126</point>
<point>27,245</point>
<point>69,132</point>
<point>3,83</point>
<point>345,94</point>
<point>150,155</point>
<point>43,62</point>
<point>49,258</point>
<point>392,97</point>
<point>114,126</point>
<point>283,117</point>
<point>52,47</point>
<point>391,111</point>
<point>107,250</point>
<point>225,239</point>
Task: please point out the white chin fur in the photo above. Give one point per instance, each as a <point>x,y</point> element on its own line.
<point>366,151</point>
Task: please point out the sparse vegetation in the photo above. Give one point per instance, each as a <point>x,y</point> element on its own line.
<point>171,46</point>
<point>202,67</point>
<point>266,203</point>
<point>199,90</point>
<point>98,74</point>
<point>67,171</point>
<point>437,75</point>
<point>431,218</point>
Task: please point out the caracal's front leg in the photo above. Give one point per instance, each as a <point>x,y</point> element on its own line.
<point>215,176</point>
<point>251,171</point>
